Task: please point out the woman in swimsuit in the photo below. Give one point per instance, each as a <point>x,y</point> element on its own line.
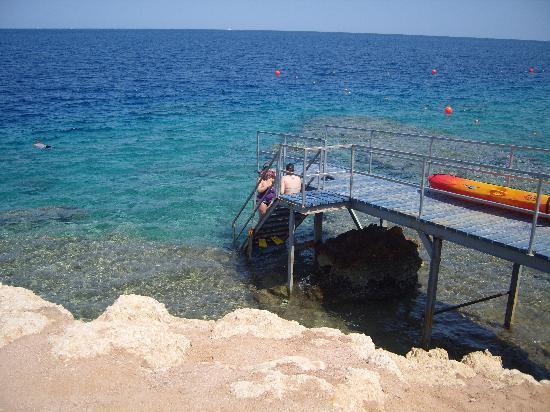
<point>266,191</point>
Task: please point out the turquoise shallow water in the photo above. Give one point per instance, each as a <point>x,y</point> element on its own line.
<point>153,152</point>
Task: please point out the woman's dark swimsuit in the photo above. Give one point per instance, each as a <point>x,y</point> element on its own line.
<point>267,196</point>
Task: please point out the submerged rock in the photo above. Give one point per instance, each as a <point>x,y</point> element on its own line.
<point>372,263</point>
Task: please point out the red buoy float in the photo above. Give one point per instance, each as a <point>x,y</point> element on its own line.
<point>531,70</point>
<point>277,72</point>
<point>448,110</point>
<point>434,71</point>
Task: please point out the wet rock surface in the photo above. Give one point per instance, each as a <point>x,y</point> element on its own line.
<point>372,263</point>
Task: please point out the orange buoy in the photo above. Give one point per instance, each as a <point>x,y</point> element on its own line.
<point>434,71</point>
<point>448,110</point>
<point>277,72</point>
<point>531,70</point>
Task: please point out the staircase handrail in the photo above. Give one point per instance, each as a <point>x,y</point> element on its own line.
<point>277,156</point>
<point>252,193</point>
<point>262,220</point>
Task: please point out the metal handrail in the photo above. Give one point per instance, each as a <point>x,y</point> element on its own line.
<point>310,163</point>
<point>252,193</point>
<point>285,137</point>
<point>511,147</point>
<point>444,138</point>
<point>294,135</point>
<point>434,159</point>
<point>426,161</point>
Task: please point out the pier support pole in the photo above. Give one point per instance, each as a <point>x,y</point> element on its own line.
<point>250,244</point>
<point>512,296</point>
<point>290,246</point>
<point>317,233</point>
<point>432,291</point>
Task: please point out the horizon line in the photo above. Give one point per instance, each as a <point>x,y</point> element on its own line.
<point>267,30</point>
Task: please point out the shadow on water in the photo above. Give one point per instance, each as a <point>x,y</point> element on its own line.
<point>394,324</point>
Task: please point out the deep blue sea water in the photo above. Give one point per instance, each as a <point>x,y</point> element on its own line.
<point>153,135</point>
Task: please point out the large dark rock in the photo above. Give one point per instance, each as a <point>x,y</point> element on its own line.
<point>372,263</point>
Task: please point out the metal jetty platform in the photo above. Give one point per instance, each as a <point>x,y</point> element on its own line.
<point>391,184</point>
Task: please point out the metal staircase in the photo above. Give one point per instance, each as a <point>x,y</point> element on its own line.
<point>272,229</point>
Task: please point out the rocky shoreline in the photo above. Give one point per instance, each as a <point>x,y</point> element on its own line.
<point>137,356</point>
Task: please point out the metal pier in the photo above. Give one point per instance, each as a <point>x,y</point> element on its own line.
<point>346,176</point>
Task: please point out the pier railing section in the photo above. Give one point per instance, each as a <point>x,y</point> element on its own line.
<point>356,159</point>
<point>273,151</point>
<point>512,157</point>
<point>360,162</point>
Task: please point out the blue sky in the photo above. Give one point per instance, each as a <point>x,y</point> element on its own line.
<point>516,19</point>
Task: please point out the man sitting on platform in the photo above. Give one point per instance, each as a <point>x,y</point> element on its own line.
<point>290,183</point>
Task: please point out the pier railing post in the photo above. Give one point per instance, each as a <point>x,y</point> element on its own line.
<point>279,174</point>
<point>320,169</point>
<point>422,188</point>
<point>351,171</point>
<point>257,151</point>
<point>324,156</point>
<point>304,178</point>
<point>290,247</point>
<point>284,150</point>
<point>431,292</point>
<point>535,219</point>
<point>370,151</point>
<point>512,296</point>
<point>430,153</point>
<point>510,164</point>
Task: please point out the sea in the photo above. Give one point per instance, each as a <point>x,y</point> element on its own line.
<point>153,135</point>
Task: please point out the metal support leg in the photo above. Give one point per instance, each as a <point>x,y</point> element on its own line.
<point>317,232</point>
<point>426,241</point>
<point>512,296</point>
<point>432,291</point>
<point>355,218</point>
<point>290,246</point>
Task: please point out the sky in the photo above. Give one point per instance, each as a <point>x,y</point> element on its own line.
<point>505,19</point>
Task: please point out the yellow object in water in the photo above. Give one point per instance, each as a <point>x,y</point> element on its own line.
<point>277,240</point>
<point>262,243</point>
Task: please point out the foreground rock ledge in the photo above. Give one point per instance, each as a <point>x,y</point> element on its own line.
<point>137,356</point>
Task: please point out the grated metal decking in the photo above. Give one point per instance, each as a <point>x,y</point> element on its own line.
<point>499,232</point>
<point>503,233</point>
